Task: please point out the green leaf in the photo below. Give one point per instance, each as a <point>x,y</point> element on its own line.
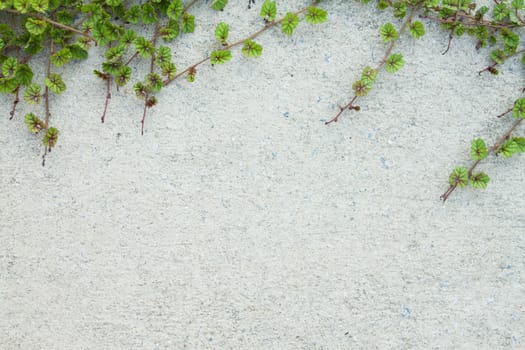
<point>517,4</point>
<point>520,142</point>
<point>175,9</point>
<point>154,82</point>
<point>508,148</point>
<point>35,26</point>
<point>218,4</point>
<point>315,15</point>
<point>388,32</point>
<point>133,14</point>
<point>148,14</point>
<point>251,49</point>
<point>140,90</point>
<point>32,94</point>
<point>163,56</point>
<point>500,11</point>
<point>400,9</point>
<point>394,63</point>
<point>362,87</point>
<point>123,75</point>
<point>61,57</point>
<point>23,74</point>
<point>498,56</point>
<point>417,29</point>
<point>170,32</point>
<point>289,24</point>
<point>220,57</point>
<point>111,67</point>
<point>458,177</point>
<point>169,70</point>
<point>128,37</point>
<point>77,52</point>
<point>479,180</point>
<point>40,5</point>
<point>22,5</point>
<point>268,10</point>
<point>144,47</point>
<point>113,3</point>
<point>34,124</point>
<point>478,149</point>
<point>369,74</point>
<point>188,23</point>
<point>50,138</point>
<point>9,67</point>
<point>55,83</point>
<point>221,32</point>
<point>8,85</point>
<point>116,52</point>
<point>518,111</point>
<point>510,39</point>
<point>382,4</point>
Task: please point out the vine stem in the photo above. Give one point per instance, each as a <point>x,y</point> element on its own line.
<point>46,98</point>
<point>15,102</point>
<point>494,147</point>
<point>350,105</point>
<point>53,23</point>
<point>108,97</point>
<point>151,69</point>
<point>469,21</point>
<point>239,42</point>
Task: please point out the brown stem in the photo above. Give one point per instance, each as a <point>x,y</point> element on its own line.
<point>492,149</point>
<point>108,97</point>
<point>50,21</point>
<point>470,21</point>
<point>491,67</point>
<point>349,105</point>
<point>502,114</point>
<point>239,42</point>
<point>151,70</point>
<point>15,102</point>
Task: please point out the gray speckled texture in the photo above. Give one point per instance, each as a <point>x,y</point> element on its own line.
<point>240,221</point>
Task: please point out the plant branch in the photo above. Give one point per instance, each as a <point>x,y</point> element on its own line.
<point>239,42</point>
<point>350,105</point>
<point>53,23</point>
<point>492,149</point>
<point>15,102</point>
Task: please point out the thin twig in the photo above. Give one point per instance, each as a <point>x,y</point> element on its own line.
<point>15,102</point>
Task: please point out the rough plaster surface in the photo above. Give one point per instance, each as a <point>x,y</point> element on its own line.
<point>240,221</point>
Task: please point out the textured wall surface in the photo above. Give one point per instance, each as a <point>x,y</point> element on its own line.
<point>240,221</point>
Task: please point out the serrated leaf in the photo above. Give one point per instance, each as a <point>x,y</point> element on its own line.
<point>114,53</point>
<point>289,23</point>
<point>251,49</point>
<point>123,75</point>
<point>498,56</point>
<point>220,57</point>
<point>32,94</point>
<point>140,90</point>
<point>113,3</point>
<point>9,67</point>
<point>520,142</point>
<point>388,32</point>
<point>517,4</point>
<point>34,124</point>
<point>61,57</point>
<point>478,149</point>
<point>23,74</point>
<point>8,85</point>
<point>361,87</point>
<point>40,5</point>
<point>219,5</point>
<point>400,9</point>
<point>369,74</point>
<point>133,14</point>
<point>394,63</point>
<point>111,67</point>
<point>55,83</point>
<point>315,15</point>
<point>148,13</point>
<point>175,9</point>
<point>154,82</point>
<point>268,10</point>
<point>458,177</point>
<point>188,23</point>
<point>508,148</point>
<point>479,180</point>
<point>163,55</point>
<point>169,70</point>
<point>35,26</point>
<point>78,52</point>
<point>500,11</point>
<point>221,32</point>
<point>144,47</point>
<point>170,32</point>
<point>50,138</point>
<point>417,29</point>
<point>518,110</point>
